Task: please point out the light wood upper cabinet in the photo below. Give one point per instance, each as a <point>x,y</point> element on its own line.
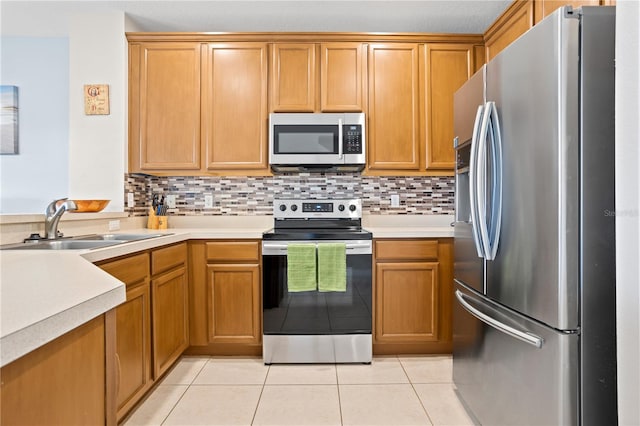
<point>448,67</point>
<point>342,77</point>
<point>514,22</point>
<point>312,77</point>
<point>234,108</point>
<point>293,77</point>
<point>544,7</point>
<point>164,106</point>
<point>394,107</point>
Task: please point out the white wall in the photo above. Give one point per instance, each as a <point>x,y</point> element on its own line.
<point>628,209</point>
<point>39,173</point>
<point>98,55</point>
<point>64,152</point>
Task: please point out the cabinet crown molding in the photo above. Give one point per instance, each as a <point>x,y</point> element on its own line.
<point>315,37</point>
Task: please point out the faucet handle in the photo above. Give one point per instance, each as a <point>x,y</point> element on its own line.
<point>52,207</point>
<point>71,205</point>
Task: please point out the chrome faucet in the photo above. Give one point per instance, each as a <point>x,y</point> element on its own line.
<point>53,214</point>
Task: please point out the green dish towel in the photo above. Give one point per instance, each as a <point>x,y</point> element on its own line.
<point>332,267</point>
<point>301,267</point>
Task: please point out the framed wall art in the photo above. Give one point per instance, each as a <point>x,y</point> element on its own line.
<point>96,99</point>
<point>9,120</point>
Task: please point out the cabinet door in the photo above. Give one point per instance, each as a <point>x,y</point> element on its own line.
<point>133,330</point>
<point>170,318</point>
<point>544,7</point>
<point>394,126</point>
<point>59,383</point>
<point>448,67</point>
<point>293,74</point>
<point>407,303</point>
<point>133,347</point>
<point>164,106</point>
<point>234,308</point>
<point>514,22</point>
<point>341,77</point>
<point>234,112</point>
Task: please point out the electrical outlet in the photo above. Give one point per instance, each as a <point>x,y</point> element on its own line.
<point>114,225</point>
<point>131,203</point>
<point>395,200</point>
<point>171,201</point>
<point>208,201</point>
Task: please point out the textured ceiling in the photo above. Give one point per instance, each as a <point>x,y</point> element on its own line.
<point>50,18</point>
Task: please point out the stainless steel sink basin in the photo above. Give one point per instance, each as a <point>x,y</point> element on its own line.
<point>81,242</point>
<point>62,245</point>
<point>118,237</point>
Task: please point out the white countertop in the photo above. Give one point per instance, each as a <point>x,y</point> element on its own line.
<point>46,293</point>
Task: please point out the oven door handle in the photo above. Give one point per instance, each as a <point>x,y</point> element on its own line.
<point>279,248</point>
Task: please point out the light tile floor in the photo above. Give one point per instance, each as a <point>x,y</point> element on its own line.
<point>404,390</point>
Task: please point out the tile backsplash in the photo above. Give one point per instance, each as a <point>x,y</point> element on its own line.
<point>244,196</point>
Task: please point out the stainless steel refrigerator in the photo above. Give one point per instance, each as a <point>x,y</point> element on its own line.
<point>534,310</point>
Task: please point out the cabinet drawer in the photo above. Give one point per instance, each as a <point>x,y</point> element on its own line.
<point>168,257</point>
<point>406,249</point>
<point>130,270</point>
<point>233,251</point>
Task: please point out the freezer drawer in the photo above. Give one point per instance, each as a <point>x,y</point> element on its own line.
<point>506,379</point>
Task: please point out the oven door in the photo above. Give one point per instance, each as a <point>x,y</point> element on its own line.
<point>314,312</point>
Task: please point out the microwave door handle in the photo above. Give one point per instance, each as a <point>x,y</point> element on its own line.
<point>340,141</point>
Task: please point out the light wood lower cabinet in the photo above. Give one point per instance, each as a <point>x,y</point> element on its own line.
<point>152,324</point>
<point>413,282</point>
<point>170,306</point>
<point>233,303</point>
<point>133,331</point>
<point>225,297</point>
<point>63,382</point>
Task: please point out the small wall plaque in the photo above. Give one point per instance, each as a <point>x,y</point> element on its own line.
<point>96,99</point>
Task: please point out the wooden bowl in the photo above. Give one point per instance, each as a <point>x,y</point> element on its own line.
<point>90,206</point>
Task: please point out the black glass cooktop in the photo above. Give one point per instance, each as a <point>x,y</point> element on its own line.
<point>290,234</point>
<point>317,229</point>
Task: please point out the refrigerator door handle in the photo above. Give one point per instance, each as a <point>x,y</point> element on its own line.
<point>481,180</point>
<point>524,336</point>
<point>473,178</point>
<point>496,193</point>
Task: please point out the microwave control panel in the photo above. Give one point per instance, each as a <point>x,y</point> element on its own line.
<point>352,134</point>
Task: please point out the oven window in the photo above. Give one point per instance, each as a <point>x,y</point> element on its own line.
<point>313,312</point>
<point>307,139</point>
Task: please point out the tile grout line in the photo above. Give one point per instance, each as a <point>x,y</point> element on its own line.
<point>264,382</point>
<point>185,391</point>
<point>416,392</point>
<point>339,401</point>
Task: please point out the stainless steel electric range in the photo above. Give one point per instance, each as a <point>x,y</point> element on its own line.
<point>315,326</point>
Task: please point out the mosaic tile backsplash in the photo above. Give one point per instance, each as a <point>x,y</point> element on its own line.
<point>245,196</point>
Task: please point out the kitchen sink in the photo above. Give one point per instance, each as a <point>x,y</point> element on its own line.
<point>81,242</point>
<point>118,237</point>
<point>69,244</point>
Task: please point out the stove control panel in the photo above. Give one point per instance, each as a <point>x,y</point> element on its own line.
<point>307,209</point>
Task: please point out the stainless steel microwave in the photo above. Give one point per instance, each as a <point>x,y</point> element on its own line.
<point>317,142</point>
